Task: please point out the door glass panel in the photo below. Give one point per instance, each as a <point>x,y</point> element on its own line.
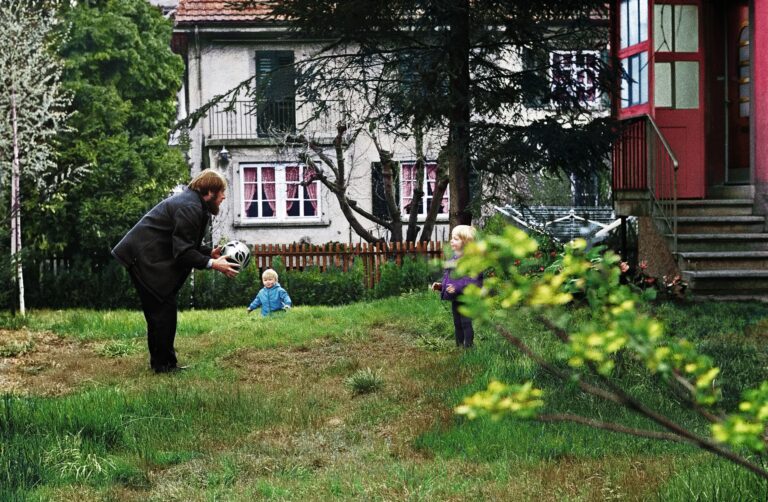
<point>662,28</point>
<point>663,84</point>
<point>632,18</point>
<point>744,109</point>
<point>743,72</point>
<point>686,28</point>
<point>686,84</point>
<point>624,86</point>
<point>643,77</point>
<point>643,21</point>
<point>624,18</point>
<point>744,53</point>
<point>675,28</point>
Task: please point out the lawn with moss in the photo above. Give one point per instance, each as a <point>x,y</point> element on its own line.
<point>345,403</point>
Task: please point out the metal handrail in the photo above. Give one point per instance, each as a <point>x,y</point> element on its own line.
<point>655,175</point>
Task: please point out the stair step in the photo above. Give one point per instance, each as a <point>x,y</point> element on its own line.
<point>721,242</point>
<point>729,282</point>
<point>715,207</point>
<point>720,224</point>
<point>724,260</point>
<point>731,191</point>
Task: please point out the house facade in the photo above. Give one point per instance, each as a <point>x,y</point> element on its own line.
<point>273,197</point>
<point>693,156</point>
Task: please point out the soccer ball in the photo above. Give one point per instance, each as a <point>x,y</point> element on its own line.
<point>236,252</point>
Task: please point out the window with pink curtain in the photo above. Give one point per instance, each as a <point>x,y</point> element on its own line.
<point>408,176</point>
<point>268,189</point>
<point>431,173</point>
<point>250,184</point>
<point>407,173</point>
<point>292,191</point>
<point>309,176</point>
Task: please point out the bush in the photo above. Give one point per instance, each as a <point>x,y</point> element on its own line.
<point>331,287</point>
<point>415,273</point>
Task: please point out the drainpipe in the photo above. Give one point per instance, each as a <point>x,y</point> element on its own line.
<point>199,92</point>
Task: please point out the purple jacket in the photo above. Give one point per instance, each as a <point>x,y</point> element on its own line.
<point>459,283</point>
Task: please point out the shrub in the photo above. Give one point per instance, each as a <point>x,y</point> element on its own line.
<point>415,273</point>
<point>330,287</point>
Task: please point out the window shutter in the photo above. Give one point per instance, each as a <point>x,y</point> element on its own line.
<point>378,200</point>
<point>534,82</point>
<point>276,87</point>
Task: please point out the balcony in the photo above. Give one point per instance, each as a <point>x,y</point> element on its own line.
<point>245,120</point>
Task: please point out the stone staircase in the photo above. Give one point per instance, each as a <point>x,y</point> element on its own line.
<point>722,246</point>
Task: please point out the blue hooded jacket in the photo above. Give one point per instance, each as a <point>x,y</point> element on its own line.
<point>271,299</point>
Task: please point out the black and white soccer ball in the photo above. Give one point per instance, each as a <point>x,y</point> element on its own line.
<point>237,252</point>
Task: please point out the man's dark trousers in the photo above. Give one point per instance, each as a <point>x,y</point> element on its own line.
<point>161,327</point>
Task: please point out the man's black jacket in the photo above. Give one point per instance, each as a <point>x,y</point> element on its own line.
<point>161,249</point>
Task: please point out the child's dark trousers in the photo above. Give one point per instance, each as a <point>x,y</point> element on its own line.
<point>465,334</point>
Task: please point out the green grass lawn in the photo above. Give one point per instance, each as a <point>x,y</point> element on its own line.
<point>275,408</point>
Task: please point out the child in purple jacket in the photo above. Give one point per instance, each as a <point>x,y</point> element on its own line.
<point>451,287</point>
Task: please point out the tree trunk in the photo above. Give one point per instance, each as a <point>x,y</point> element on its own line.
<point>459,114</point>
<point>418,192</point>
<point>16,209</point>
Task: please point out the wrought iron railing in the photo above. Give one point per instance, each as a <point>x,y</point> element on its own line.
<point>249,120</point>
<point>643,160</point>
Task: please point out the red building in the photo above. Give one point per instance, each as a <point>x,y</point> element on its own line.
<point>692,159</point>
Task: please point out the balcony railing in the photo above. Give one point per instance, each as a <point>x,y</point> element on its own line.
<point>249,120</point>
<point>643,160</point>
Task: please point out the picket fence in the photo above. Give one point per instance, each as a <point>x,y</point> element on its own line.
<point>373,256</point>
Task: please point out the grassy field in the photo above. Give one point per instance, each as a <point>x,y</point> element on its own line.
<point>348,403</point>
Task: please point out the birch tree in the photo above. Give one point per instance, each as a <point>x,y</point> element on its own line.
<point>32,110</point>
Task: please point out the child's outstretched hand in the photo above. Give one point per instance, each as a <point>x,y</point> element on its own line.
<point>451,290</point>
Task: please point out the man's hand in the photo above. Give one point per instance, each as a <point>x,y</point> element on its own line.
<point>451,290</point>
<point>226,267</point>
<point>216,252</point>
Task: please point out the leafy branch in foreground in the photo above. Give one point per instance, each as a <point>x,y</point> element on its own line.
<point>617,328</point>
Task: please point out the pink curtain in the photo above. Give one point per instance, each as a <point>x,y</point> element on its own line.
<point>249,177</point>
<point>309,175</point>
<point>291,185</point>
<point>432,180</point>
<point>407,173</point>
<point>268,184</point>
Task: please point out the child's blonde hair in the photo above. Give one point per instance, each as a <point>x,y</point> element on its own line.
<point>464,232</point>
<point>269,274</point>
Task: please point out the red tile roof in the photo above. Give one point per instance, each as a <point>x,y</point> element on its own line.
<point>218,11</point>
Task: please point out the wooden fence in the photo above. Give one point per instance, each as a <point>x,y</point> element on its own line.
<point>298,256</point>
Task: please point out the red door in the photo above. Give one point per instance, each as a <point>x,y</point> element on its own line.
<point>678,88</point>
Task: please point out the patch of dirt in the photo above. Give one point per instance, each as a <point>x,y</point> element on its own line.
<point>43,363</point>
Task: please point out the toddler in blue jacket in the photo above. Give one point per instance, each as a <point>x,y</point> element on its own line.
<point>272,297</point>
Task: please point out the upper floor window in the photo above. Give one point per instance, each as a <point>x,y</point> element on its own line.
<point>575,73</point>
<point>408,183</point>
<point>276,192</point>
<point>276,89</point>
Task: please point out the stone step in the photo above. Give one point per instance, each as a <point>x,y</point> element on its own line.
<point>721,242</point>
<point>720,224</point>
<point>734,260</point>
<point>731,192</point>
<point>714,207</point>
<point>727,282</point>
